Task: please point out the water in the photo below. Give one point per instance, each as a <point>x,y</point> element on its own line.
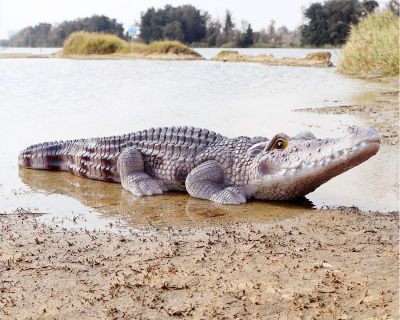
<point>11,50</point>
<point>52,99</point>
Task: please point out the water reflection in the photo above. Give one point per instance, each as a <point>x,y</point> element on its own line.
<point>111,201</point>
<point>60,99</point>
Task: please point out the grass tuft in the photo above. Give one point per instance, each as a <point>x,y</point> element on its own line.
<point>169,47</point>
<point>372,49</point>
<point>87,43</point>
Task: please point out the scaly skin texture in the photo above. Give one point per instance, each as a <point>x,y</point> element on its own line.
<point>206,164</point>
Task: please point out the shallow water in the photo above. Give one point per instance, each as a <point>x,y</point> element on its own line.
<point>52,99</point>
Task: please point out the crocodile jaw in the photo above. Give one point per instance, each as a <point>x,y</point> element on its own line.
<point>288,183</point>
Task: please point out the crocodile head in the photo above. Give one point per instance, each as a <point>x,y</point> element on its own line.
<point>286,168</point>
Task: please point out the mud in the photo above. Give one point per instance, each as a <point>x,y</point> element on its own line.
<point>320,265</point>
<point>167,57</point>
<point>319,59</point>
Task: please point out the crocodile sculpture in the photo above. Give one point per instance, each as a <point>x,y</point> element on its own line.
<point>206,164</point>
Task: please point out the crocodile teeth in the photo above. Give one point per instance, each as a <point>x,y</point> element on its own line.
<point>283,172</point>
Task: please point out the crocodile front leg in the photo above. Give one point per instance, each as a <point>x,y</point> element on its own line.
<point>130,166</point>
<point>206,182</point>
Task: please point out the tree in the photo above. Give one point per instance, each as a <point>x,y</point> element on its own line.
<point>173,31</point>
<point>271,32</point>
<point>46,35</point>
<point>229,26</point>
<point>330,22</point>
<point>184,23</point>
<point>315,32</point>
<point>246,39</point>
<point>341,15</point>
<point>214,34</point>
<point>393,6</point>
<point>370,6</point>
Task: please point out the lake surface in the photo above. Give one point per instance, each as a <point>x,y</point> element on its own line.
<point>58,99</point>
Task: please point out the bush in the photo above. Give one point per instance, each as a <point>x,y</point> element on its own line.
<point>372,48</point>
<point>83,43</point>
<point>169,47</point>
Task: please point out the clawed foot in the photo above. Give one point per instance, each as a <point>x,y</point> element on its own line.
<point>229,195</point>
<point>142,186</point>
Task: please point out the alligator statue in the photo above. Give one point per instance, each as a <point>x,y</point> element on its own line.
<point>206,164</point>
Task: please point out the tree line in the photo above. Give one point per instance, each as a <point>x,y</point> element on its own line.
<point>327,23</point>
<point>47,35</point>
<point>188,24</point>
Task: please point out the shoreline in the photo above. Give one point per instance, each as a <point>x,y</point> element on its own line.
<point>324,264</point>
<point>58,55</point>
<point>315,59</point>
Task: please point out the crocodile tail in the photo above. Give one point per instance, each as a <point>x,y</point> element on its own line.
<point>42,156</point>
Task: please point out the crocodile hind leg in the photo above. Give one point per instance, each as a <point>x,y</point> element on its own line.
<point>206,182</point>
<point>133,177</point>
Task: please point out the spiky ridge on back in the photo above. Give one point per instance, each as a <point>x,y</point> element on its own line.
<point>96,158</point>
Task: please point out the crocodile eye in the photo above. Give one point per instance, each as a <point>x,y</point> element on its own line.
<point>280,144</point>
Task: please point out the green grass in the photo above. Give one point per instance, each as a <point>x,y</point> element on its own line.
<point>227,52</point>
<point>372,49</point>
<point>86,43</point>
<point>170,47</point>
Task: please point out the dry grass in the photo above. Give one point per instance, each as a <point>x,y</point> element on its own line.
<point>372,49</point>
<point>86,43</point>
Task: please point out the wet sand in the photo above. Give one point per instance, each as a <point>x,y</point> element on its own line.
<point>320,265</point>
<point>318,59</point>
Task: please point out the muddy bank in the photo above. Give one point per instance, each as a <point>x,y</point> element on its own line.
<point>167,57</point>
<point>326,265</point>
<point>318,59</point>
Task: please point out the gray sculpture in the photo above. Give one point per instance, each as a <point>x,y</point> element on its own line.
<point>206,164</point>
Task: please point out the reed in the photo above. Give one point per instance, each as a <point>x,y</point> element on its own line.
<point>87,43</point>
<point>372,49</point>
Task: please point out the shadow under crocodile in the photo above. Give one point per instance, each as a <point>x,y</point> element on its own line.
<point>170,209</point>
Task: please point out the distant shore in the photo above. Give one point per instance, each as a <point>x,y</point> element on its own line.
<point>316,59</point>
<point>60,55</point>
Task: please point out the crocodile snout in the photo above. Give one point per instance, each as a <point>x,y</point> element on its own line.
<point>364,134</point>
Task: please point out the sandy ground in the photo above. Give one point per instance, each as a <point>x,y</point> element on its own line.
<point>321,59</point>
<point>320,265</point>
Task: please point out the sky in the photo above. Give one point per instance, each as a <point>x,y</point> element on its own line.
<point>17,14</point>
